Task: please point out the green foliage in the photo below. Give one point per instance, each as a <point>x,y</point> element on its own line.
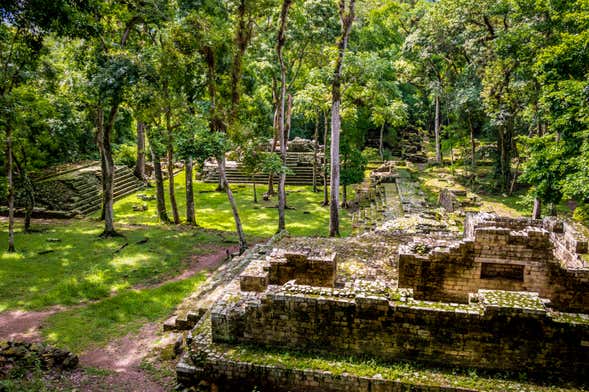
<point>353,165</point>
<point>581,213</point>
<point>125,154</point>
<point>370,154</point>
<point>545,167</point>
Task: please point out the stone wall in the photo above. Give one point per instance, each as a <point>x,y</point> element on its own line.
<point>501,254</point>
<point>305,266</point>
<point>448,200</point>
<point>222,375</point>
<point>497,330</point>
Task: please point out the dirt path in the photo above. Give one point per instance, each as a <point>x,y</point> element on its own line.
<point>25,325</point>
<point>121,357</point>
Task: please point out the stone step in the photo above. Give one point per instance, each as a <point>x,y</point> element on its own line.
<point>95,193</point>
<point>96,204</point>
<point>248,181</point>
<point>97,198</point>
<point>126,190</point>
<point>125,184</point>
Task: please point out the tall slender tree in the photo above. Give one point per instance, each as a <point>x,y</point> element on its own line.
<point>140,164</point>
<point>281,39</point>
<point>347,15</point>
<point>24,25</point>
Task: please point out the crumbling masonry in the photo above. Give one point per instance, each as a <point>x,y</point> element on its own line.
<point>510,296</point>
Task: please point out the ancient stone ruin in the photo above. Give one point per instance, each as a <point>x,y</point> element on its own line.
<point>496,253</point>
<point>299,159</point>
<point>281,266</point>
<point>509,296</point>
<point>414,283</point>
<point>74,189</point>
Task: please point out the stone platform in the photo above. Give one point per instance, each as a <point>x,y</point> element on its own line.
<point>352,305</point>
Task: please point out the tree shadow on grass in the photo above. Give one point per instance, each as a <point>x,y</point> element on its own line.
<point>81,267</point>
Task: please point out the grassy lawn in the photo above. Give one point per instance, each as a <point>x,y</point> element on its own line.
<point>98,323</point>
<point>307,217</point>
<point>65,263</point>
<point>81,267</point>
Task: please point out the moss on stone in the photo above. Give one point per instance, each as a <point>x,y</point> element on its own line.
<point>405,372</point>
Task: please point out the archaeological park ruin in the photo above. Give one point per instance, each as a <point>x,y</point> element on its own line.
<point>441,287</point>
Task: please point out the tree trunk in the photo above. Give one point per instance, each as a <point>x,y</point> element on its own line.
<point>108,171</point>
<point>170,154</point>
<point>345,197</point>
<point>140,165</point>
<point>30,198</point>
<point>171,185</point>
<point>537,211</point>
<point>315,147</point>
<point>190,214</point>
<point>159,187</point>
<point>380,142</point>
<point>472,145</point>
<point>243,35</point>
<point>437,131</point>
<point>325,187</point>
<point>27,184</point>
<point>553,209</point>
<point>99,143</point>
<point>221,184</point>
<point>9,174</point>
<point>282,131</point>
<point>346,24</point>
<point>255,193</point>
<point>334,175</point>
<point>271,190</point>
<point>288,121</point>
<point>238,226</point>
<point>504,145</point>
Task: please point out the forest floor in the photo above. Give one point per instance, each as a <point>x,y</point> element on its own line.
<point>105,300</point>
<point>305,216</point>
<point>119,338</point>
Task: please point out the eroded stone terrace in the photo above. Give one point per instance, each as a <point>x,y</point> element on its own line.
<point>357,296</point>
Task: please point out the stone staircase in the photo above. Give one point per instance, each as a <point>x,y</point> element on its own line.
<point>377,204</point>
<point>89,197</point>
<point>299,163</point>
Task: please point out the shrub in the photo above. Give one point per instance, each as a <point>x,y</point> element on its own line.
<point>371,154</point>
<point>581,213</point>
<point>125,154</point>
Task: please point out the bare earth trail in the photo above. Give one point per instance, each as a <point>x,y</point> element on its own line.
<point>122,357</point>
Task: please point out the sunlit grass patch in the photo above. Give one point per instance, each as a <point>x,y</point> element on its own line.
<point>305,216</point>
<point>98,323</point>
<point>66,264</point>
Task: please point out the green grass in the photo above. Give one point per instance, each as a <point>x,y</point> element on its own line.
<point>81,267</point>
<point>518,204</point>
<point>405,372</point>
<point>306,218</point>
<point>98,323</point>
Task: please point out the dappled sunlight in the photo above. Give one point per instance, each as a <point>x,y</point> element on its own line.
<point>70,264</point>
<point>128,311</point>
<point>5,256</point>
<point>124,263</point>
<point>213,210</point>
